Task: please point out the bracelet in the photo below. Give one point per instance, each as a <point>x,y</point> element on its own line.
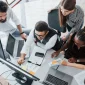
<point>21,33</point>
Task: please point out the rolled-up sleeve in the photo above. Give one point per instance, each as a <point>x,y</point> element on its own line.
<point>27,44</point>
<point>13,17</point>
<point>77,26</point>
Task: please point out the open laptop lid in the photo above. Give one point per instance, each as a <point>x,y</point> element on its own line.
<point>10,44</point>
<point>2,55</point>
<point>13,66</point>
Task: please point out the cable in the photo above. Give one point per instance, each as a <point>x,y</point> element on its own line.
<point>10,80</point>
<point>2,74</point>
<point>8,75</point>
<point>5,72</point>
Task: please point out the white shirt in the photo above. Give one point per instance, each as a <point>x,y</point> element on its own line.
<point>7,26</point>
<point>30,40</point>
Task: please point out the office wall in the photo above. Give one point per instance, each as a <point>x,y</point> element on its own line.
<point>37,10</point>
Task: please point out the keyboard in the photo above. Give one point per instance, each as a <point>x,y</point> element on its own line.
<point>52,80</point>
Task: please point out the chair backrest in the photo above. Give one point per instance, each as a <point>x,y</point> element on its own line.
<point>53,20</point>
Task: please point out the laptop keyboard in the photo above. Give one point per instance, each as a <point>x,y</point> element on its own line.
<point>55,81</point>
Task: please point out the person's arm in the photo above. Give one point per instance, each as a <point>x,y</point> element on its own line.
<point>26,47</point>
<point>80,66</point>
<point>23,35</point>
<point>75,28</point>
<point>28,43</point>
<point>49,44</point>
<point>17,23</point>
<point>65,46</point>
<point>62,48</point>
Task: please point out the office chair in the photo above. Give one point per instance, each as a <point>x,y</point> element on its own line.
<point>53,21</point>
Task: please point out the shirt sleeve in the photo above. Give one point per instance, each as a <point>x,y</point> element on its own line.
<point>77,26</point>
<point>50,43</point>
<point>27,44</point>
<point>14,17</point>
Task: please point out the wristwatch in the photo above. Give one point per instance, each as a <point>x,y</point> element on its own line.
<point>21,33</point>
<point>78,60</point>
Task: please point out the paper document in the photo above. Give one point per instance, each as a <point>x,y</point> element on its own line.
<point>55,62</point>
<point>30,68</point>
<point>37,55</point>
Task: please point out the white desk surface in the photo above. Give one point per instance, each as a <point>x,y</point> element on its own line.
<point>41,73</point>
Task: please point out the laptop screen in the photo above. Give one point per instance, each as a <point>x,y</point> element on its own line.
<point>10,44</point>
<point>2,52</point>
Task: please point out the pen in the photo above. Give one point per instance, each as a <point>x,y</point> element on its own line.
<point>35,63</point>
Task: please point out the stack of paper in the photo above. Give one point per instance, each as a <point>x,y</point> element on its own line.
<point>55,62</point>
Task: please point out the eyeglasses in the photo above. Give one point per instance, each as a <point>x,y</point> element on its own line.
<point>41,35</point>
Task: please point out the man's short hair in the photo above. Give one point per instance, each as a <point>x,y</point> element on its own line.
<point>41,26</point>
<point>3,6</point>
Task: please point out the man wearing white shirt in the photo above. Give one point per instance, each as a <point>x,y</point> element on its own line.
<point>42,36</point>
<point>7,15</point>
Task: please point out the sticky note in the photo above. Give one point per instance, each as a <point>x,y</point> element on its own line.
<point>54,62</point>
<point>24,68</point>
<point>31,72</point>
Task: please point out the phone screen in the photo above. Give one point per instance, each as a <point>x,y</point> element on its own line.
<point>39,54</point>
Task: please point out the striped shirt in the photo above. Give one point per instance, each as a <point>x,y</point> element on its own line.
<point>75,19</point>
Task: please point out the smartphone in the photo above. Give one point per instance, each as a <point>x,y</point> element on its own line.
<point>39,54</point>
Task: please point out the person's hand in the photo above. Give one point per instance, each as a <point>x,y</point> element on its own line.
<point>55,54</point>
<point>72,60</point>
<point>64,63</point>
<point>63,38</point>
<point>20,60</point>
<point>24,36</point>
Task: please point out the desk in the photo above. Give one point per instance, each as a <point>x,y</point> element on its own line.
<point>42,71</point>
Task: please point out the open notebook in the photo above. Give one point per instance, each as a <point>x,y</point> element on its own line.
<point>37,55</point>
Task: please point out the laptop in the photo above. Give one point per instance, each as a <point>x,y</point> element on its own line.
<point>54,77</point>
<point>62,75</point>
<point>14,46</point>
